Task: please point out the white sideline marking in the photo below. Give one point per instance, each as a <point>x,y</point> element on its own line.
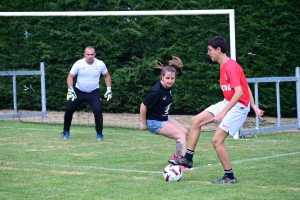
<point>251,159</point>
<point>145,171</point>
<point>267,157</point>
<point>85,167</point>
<point>35,129</point>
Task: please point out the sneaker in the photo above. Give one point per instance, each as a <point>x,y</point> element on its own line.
<point>225,180</point>
<point>65,134</point>
<point>182,161</point>
<point>100,137</point>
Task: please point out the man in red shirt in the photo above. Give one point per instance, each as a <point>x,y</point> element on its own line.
<point>229,114</point>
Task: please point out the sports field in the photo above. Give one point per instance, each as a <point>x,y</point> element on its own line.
<point>35,163</point>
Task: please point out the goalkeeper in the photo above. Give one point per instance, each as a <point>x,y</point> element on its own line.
<point>88,71</point>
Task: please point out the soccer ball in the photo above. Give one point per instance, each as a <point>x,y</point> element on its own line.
<point>172,173</point>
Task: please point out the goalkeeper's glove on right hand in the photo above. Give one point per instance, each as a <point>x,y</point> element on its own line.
<point>71,95</point>
<point>108,94</point>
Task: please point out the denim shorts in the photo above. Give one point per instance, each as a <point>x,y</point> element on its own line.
<point>154,125</point>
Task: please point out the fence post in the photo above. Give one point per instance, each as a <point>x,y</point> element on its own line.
<point>297,74</point>
<point>15,95</point>
<point>43,90</point>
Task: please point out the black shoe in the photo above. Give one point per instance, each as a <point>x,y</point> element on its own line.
<point>225,180</point>
<point>182,161</point>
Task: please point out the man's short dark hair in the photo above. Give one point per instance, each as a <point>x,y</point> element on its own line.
<point>216,42</point>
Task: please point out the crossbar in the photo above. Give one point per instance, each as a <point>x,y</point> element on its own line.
<point>229,12</point>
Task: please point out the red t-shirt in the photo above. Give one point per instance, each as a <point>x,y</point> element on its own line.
<point>231,76</point>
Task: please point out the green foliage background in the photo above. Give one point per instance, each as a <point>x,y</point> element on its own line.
<point>131,46</point>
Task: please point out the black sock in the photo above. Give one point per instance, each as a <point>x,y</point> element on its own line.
<point>229,173</point>
<point>189,154</point>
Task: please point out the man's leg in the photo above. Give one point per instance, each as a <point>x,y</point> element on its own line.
<point>221,150</point>
<point>95,103</point>
<point>197,122</point>
<point>68,116</point>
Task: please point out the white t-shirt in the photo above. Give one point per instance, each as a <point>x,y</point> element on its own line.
<point>88,76</point>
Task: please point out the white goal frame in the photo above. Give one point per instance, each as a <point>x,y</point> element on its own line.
<point>229,12</point>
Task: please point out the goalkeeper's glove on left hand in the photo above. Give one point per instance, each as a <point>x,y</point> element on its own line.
<point>71,95</point>
<point>108,94</point>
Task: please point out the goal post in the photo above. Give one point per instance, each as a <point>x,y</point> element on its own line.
<point>229,12</point>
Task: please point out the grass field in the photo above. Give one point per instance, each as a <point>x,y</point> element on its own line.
<point>35,163</point>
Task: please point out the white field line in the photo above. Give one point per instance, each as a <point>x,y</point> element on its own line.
<point>251,159</point>
<point>32,129</point>
<point>145,171</point>
<point>267,157</point>
<point>82,167</point>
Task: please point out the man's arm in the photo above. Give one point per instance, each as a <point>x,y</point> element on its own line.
<point>71,95</point>
<point>108,93</point>
<point>70,80</point>
<point>107,79</point>
<point>259,113</point>
<point>238,93</point>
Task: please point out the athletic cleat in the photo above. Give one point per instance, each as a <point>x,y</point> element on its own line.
<point>174,157</point>
<point>183,168</point>
<point>225,180</point>
<point>65,134</point>
<point>182,161</point>
<point>100,137</point>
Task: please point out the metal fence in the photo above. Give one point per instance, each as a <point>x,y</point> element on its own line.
<point>276,80</point>
<point>14,74</point>
<point>241,133</point>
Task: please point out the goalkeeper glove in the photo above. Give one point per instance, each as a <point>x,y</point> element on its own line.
<point>71,95</point>
<point>108,94</point>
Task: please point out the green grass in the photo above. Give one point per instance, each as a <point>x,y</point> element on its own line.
<point>35,163</point>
